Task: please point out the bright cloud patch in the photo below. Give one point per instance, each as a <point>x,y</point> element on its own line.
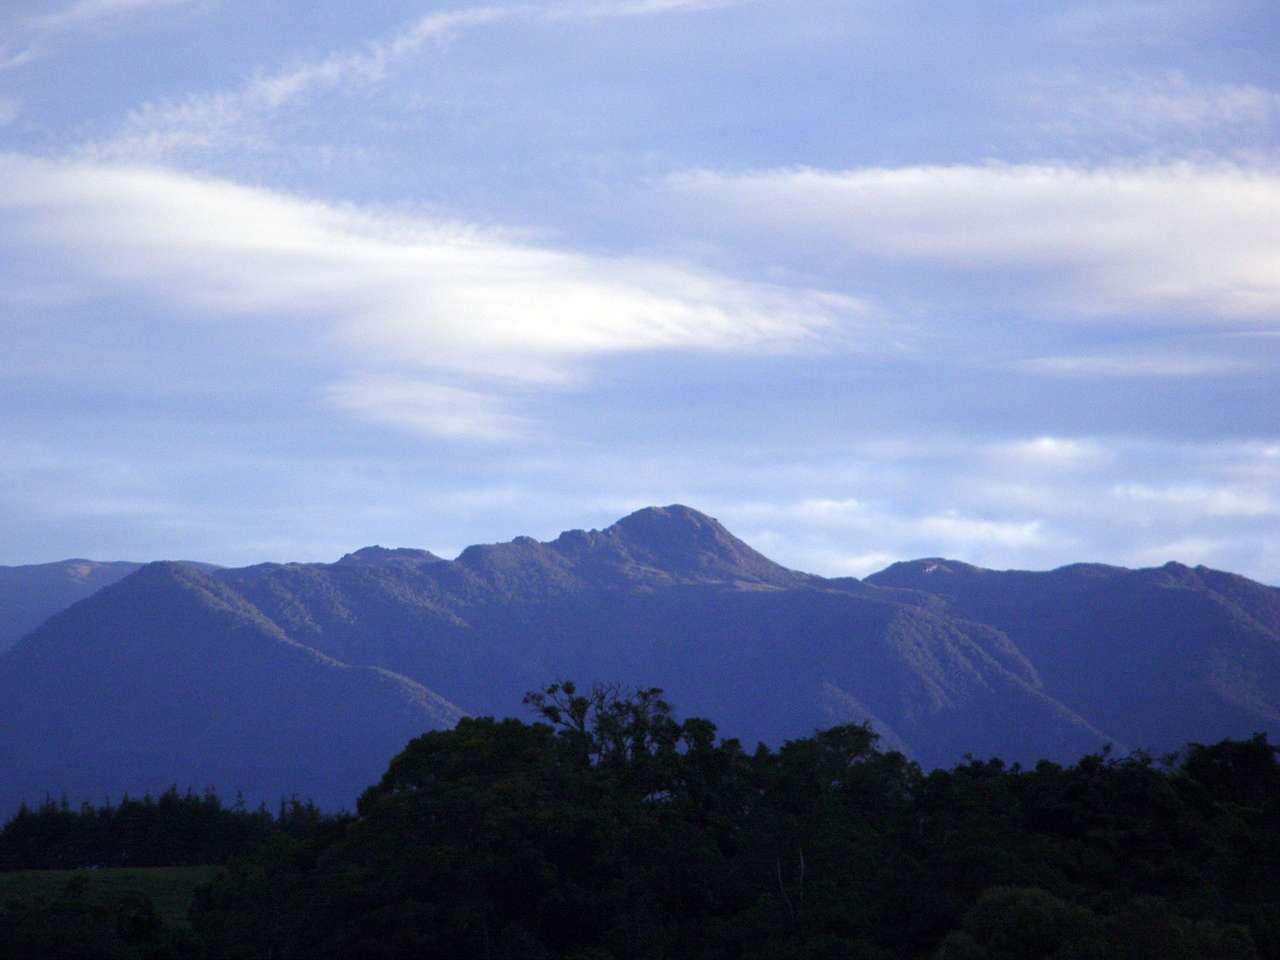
<point>1098,241</point>
<point>390,292</point>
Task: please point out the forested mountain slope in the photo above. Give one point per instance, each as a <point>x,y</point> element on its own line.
<point>284,678</point>
<point>1153,656</point>
<point>30,595</point>
<point>169,677</point>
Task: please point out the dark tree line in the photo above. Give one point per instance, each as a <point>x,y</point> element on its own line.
<point>173,829</point>
<point>611,830</point>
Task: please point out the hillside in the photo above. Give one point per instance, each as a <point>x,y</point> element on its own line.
<point>1155,655</point>
<point>304,678</point>
<point>30,595</point>
<point>168,677</point>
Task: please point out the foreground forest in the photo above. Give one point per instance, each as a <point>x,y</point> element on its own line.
<point>610,829</point>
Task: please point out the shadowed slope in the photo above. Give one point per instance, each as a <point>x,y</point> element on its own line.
<point>1165,655</point>
<point>169,677</point>
<point>667,596</point>
<point>30,595</point>
<point>305,677</point>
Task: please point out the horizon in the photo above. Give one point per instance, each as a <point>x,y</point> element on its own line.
<point>866,282</point>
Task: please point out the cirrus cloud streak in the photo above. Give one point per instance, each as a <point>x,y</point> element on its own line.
<point>388,293</point>
<point>1113,240</point>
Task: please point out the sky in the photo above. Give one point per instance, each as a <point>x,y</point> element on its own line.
<point>867,281</point>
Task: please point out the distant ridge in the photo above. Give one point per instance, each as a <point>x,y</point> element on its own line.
<point>30,595</point>
<point>383,555</point>
<point>1140,651</point>
<point>304,678</point>
<point>184,682</point>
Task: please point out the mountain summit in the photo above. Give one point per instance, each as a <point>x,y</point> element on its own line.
<point>656,546</point>
<point>673,544</point>
<point>679,541</point>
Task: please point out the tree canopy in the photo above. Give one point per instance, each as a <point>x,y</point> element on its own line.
<point>609,829</point>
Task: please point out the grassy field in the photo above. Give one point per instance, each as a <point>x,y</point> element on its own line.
<point>170,888</point>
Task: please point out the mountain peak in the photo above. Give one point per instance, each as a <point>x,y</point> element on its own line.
<point>672,523</point>
<point>924,573</point>
<point>684,541</point>
<point>383,555</point>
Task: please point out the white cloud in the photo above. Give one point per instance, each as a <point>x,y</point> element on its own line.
<point>1220,501</point>
<point>837,563</point>
<point>954,528</point>
<point>1034,503</point>
<point>636,8</point>
<point>1055,453</point>
<point>1103,22</point>
<point>239,117</point>
<point>79,16</point>
<point>235,118</point>
<point>85,13</point>
<point>882,529</point>
<point>13,60</point>
<point>1191,551</point>
<point>429,409</point>
<point>1095,241</point>
<point>1140,365</point>
<point>1153,107</point>
<point>387,292</point>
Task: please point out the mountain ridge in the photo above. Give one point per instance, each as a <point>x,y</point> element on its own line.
<point>31,594</point>
<point>944,658</point>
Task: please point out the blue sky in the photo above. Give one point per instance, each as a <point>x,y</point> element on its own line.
<point>865,280</point>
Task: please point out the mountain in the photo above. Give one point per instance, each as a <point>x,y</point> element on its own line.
<point>30,595</point>
<point>304,678</point>
<point>1156,656</point>
<point>169,677</point>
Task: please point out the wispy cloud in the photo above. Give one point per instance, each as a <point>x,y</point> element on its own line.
<point>236,118</point>
<point>1033,503</point>
<point>1155,111</point>
<point>1214,501</point>
<point>429,409</point>
<point>1105,22</point>
<point>11,59</point>
<point>1140,365</point>
<point>9,111</point>
<point>40,35</point>
<point>634,8</point>
<point>239,117</point>
<point>85,13</point>
<point>387,292</point>
<point>1203,239</point>
<point>811,531</point>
